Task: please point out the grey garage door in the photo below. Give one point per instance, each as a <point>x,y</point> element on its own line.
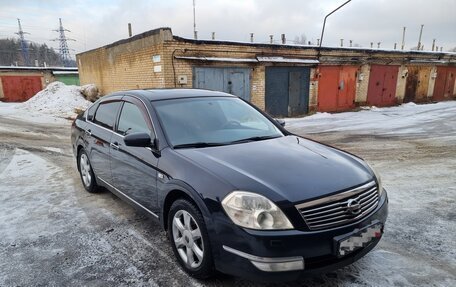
<point>287,91</point>
<point>235,81</point>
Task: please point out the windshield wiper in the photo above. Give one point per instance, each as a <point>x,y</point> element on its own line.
<point>198,145</point>
<point>254,139</point>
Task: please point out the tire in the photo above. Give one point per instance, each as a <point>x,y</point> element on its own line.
<point>189,239</point>
<point>86,172</point>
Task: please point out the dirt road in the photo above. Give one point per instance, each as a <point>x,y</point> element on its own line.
<point>54,233</point>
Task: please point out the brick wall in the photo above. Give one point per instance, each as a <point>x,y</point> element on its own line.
<point>362,85</point>
<point>129,63</point>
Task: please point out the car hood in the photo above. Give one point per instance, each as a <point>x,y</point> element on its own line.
<point>286,168</point>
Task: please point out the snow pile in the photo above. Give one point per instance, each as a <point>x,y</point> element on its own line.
<point>58,100</point>
<point>406,118</point>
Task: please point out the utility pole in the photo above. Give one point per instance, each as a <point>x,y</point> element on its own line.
<point>64,51</point>
<point>24,45</point>
<point>403,38</point>
<point>324,24</point>
<point>419,39</point>
<point>195,35</point>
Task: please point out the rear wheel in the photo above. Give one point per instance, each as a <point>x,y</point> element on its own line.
<point>86,172</point>
<point>189,239</point>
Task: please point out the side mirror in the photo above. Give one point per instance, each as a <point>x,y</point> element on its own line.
<point>138,140</point>
<point>90,117</point>
<point>281,122</point>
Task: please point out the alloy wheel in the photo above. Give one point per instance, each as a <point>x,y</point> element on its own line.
<point>187,239</point>
<point>85,170</point>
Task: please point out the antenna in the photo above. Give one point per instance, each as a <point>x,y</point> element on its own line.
<point>24,46</point>
<point>64,51</point>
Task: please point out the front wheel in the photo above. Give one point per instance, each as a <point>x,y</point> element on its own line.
<point>189,239</point>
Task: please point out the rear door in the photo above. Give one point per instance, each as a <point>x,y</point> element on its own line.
<point>134,169</point>
<point>98,133</point>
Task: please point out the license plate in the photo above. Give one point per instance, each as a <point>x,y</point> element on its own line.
<point>347,243</point>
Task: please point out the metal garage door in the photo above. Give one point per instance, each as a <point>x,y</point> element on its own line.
<point>20,88</point>
<point>287,91</point>
<point>336,88</point>
<point>444,83</point>
<point>417,84</point>
<point>382,85</point>
<point>235,81</point>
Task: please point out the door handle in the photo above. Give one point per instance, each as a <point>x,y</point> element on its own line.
<point>114,145</point>
<point>88,132</point>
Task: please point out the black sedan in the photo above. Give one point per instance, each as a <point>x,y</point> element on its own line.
<point>235,191</point>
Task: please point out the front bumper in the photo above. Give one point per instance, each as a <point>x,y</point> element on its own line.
<point>265,255</point>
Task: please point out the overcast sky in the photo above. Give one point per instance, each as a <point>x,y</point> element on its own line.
<point>97,23</point>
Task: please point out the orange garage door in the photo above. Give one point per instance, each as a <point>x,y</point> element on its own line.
<point>20,88</point>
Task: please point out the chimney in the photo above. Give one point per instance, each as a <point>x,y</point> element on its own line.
<point>351,43</point>
<point>341,42</point>
<point>213,35</point>
<point>433,44</point>
<point>378,45</point>
<point>372,45</point>
<point>251,37</point>
<point>271,38</point>
<point>195,35</point>
<point>395,46</point>
<point>318,42</point>
<point>284,40</point>
<point>129,30</point>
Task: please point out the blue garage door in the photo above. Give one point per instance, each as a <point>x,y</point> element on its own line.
<point>235,81</point>
<point>287,91</point>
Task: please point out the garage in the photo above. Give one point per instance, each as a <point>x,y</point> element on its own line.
<point>287,91</point>
<point>444,83</point>
<point>382,85</point>
<point>235,81</point>
<point>336,88</point>
<point>20,88</point>
<point>416,88</point>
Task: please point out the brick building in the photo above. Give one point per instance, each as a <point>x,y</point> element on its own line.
<point>284,80</point>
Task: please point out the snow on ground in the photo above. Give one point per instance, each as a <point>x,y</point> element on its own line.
<point>403,119</point>
<point>51,105</point>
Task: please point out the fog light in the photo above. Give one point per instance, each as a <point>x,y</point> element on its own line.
<point>279,266</point>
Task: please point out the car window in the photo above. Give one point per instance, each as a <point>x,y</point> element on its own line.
<point>106,113</point>
<point>212,120</point>
<point>131,120</point>
<point>91,111</point>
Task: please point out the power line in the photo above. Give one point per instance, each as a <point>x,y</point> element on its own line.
<point>64,51</point>
<point>24,45</point>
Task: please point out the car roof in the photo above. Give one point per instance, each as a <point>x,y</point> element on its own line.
<point>166,94</point>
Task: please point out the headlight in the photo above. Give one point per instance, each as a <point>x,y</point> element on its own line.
<point>378,178</point>
<point>254,211</point>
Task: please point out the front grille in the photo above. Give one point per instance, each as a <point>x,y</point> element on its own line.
<point>340,209</point>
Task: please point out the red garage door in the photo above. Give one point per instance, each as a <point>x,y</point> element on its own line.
<point>382,85</point>
<point>336,88</point>
<point>444,83</point>
<point>20,88</point>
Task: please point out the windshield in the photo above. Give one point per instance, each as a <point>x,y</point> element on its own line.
<point>200,122</point>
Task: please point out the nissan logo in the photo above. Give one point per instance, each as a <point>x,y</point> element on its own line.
<point>353,206</point>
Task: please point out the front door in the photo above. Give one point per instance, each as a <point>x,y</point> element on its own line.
<point>133,169</point>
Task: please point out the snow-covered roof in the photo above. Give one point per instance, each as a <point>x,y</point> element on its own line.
<point>216,59</point>
<point>65,72</point>
<point>287,60</point>
<point>39,68</point>
<point>250,60</point>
